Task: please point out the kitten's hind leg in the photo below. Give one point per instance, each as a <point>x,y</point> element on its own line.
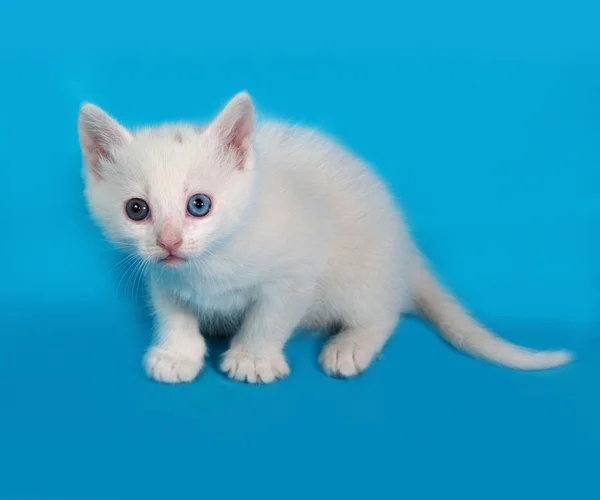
<point>351,351</point>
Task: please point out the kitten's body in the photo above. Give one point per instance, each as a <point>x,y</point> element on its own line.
<point>316,217</point>
<point>310,237</point>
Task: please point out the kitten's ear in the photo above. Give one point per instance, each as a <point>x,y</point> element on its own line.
<point>234,128</point>
<point>99,136</point>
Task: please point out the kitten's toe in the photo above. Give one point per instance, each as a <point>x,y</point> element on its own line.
<point>246,367</point>
<point>345,358</point>
<point>171,367</point>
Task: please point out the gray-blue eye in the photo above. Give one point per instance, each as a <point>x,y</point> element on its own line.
<point>199,205</point>
<point>137,209</point>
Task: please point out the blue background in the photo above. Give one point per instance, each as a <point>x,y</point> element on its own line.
<point>484,117</point>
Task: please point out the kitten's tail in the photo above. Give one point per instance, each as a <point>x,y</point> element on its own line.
<point>466,334</point>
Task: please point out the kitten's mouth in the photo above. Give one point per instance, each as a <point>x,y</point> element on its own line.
<point>172,260</point>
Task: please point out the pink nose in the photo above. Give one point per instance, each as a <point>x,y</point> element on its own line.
<point>170,242</point>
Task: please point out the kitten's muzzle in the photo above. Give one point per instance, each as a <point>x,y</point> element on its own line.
<point>172,259</point>
<point>169,242</point>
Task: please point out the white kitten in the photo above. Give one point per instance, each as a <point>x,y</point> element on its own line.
<point>270,228</point>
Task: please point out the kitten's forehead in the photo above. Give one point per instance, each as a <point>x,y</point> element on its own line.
<point>167,163</point>
<point>179,133</point>
<point>166,154</point>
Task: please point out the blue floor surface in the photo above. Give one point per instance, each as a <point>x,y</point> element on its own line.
<point>484,120</point>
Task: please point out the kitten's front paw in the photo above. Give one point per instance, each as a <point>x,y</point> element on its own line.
<point>172,367</point>
<point>243,366</point>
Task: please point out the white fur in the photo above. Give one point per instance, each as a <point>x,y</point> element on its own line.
<point>301,233</point>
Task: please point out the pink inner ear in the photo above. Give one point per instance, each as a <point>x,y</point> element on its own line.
<point>241,142</point>
<point>94,150</point>
<point>234,128</point>
<point>240,138</point>
<point>96,146</point>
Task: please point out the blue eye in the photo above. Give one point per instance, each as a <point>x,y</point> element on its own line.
<point>199,205</point>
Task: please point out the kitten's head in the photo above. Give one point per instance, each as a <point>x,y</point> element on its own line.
<point>169,193</point>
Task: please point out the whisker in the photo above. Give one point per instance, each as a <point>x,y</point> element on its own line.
<point>142,276</point>
<point>126,270</point>
<point>133,277</point>
<point>121,262</point>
